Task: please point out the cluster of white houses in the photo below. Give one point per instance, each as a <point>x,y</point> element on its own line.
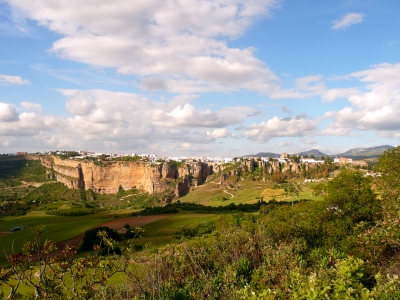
<point>284,157</point>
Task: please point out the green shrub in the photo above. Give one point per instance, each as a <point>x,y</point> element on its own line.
<point>91,238</point>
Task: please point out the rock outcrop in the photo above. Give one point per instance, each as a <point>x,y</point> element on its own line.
<point>107,177</point>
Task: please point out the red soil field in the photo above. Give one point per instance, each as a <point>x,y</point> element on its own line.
<point>114,224</point>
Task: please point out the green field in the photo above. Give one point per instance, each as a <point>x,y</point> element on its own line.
<point>213,193</point>
<point>161,232</point>
<point>57,229</point>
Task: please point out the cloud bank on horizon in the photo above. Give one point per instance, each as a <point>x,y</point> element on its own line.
<point>191,77</point>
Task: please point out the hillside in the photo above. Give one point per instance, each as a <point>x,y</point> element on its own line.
<point>355,153</point>
<point>314,152</point>
<point>367,152</point>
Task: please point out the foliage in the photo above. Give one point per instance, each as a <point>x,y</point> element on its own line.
<point>22,170</point>
<point>67,154</point>
<point>174,163</point>
<point>389,168</point>
<point>17,177</point>
<point>75,212</point>
<point>60,276</point>
<point>350,194</point>
<point>91,237</point>
<point>193,207</point>
<point>54,191</point>
<point>331,249</point>
<point>134,158</point>
<point>200,230</point>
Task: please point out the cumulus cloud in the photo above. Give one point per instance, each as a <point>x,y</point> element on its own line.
<point>7,79</point>
<point>154,84</point>
<point>32,107</point>
<point>284,144</point>
<point>218,133</point>
<point>314,85</point>
<point>80,104</point>
<point>375,106</point>
<point>348,20</point>
<point>187,115</point>
<point>104,119</point>
<point>166,43</point>
<point>285,109</point>
<point>8,113</point>
<point>287,127</point>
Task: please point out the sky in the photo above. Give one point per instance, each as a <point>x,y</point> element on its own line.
<point>199,77</point>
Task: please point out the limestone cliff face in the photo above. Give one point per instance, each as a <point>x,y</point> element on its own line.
<point>107,177</point>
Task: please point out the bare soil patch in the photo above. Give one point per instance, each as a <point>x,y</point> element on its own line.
<point>133,222</point>
<point>4,233</point>
<point>114,224</point>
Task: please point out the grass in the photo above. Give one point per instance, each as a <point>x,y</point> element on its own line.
<point>17,178</point>
<point>245,191</point>
<point>24,290</point>
<point>57,229</point>
<point>24,170</point>
<point>55,191</point>
<point>161,232</point>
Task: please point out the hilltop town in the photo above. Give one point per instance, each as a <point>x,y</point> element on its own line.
<point>155,159</point>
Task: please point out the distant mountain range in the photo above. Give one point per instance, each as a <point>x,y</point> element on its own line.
<point>355,153</point>
<point>369,151</point>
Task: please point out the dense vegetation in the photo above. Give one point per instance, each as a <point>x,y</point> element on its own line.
<point>344,247</point>
<point>198,208</point>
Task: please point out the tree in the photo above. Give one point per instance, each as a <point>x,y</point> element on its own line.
<point>91,237</point>
<point>350,194</point>
<point>389,167</point>
<point>328,160</point>
<point>52,275</point>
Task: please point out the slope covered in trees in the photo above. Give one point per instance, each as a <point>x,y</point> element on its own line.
<point>344,247</point>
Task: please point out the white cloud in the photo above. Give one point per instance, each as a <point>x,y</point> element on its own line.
<point>348,20</point>
<point>187,115</point>
<point>285,109</point>
<point>309,141</point>
<point>297,126</point>
<point>168,44</point>
<point>7,113</point>
<point>284,144</point>
<point>80,104</point>
<point>375,106</point>
<point>154,84</point>
<point>218,133</point>
<point>32,107</point>
<point>7,79</point>
<point>104,119</point>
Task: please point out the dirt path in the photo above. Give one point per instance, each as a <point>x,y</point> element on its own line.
<point>226,192</point>
<point>35,184</point>
<point>204,184</point>
<point>114,224</point>
<point>4,233</point>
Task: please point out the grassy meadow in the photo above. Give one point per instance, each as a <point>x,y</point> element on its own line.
<point>213,193</point>
<point>34,197</point>
<point>56,229</point>
<point>161,232</point>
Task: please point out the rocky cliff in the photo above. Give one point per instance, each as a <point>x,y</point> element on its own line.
<point>107,177</point>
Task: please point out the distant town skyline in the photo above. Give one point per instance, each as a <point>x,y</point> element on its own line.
<point>188,77</point>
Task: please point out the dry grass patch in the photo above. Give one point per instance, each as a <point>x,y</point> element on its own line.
<point>267,193</point>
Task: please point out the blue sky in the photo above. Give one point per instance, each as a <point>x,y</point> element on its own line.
<point>190,77</point>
